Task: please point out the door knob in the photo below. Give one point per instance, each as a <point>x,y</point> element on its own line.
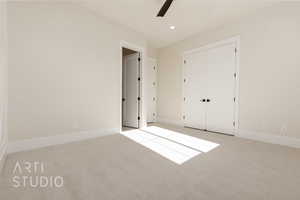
<point>203,100</point>
<point>207,100</point>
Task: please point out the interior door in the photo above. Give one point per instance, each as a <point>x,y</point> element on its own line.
<point>151,90</point>
<point>195,90</point>
<point>131,90</point>
<point>221,89</point>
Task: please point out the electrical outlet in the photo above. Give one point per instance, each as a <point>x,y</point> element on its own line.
<point>283,129</point>
<point>75,125</point>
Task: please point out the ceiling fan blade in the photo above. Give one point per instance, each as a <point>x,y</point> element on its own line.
<point>164,8</point>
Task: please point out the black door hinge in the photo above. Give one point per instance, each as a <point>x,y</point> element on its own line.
<point>139,98</point>
<point>139,59</point>
<point>139,78</point>
<point>139,118</point>
<point>234,99</point>
<point>233,123</point>
<point>234,75</point>
<point>184,80</point>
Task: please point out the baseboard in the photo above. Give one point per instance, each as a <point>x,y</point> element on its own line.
<point>268,138</point>
<point>258,136</point>
<point>3,149</point>
<point>30,144</point>
<point>169,121</point>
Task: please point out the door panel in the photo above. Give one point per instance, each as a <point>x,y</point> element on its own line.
<point>195,89</point>
<point>131,90</point>
<point>221,89</point>
<point>209,75</point>
<point>151,90</point>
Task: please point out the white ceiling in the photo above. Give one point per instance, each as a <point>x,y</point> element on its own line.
<point>189,16</point>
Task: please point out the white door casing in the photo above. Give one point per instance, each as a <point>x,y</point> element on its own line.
<point>151,90</point>
<point>131,91</point>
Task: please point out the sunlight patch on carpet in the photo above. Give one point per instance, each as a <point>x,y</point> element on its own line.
<point>172,145</point>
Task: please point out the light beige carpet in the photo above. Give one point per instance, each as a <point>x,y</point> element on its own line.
<point>115,167</point>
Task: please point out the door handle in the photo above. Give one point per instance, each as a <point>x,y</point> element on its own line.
<point>207,100</point>
<point>203,100</point>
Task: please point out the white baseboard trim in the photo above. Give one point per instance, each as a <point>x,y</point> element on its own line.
<point>268,138</point>
<point>35,143</point>
<point>169,121</point>
<point>3,149</point>
<point>252,135</point>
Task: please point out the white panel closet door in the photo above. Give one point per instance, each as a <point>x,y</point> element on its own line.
<point>195,90</point>
<point>131,91</point>
<point>221,89</point>
<point>151,90</point>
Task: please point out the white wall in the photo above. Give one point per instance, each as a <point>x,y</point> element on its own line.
<point>269,71</point>
<point>64,70</point>
<point>152,52</point>
<point>3,80</point>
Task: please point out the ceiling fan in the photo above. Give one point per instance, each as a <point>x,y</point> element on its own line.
<point>164,8</point>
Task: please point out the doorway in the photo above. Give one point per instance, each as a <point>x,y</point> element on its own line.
<point>131,88</point>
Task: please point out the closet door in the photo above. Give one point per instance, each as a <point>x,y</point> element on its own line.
<point>220,89</point>
<point>151,90</point>
<point>195,89</point>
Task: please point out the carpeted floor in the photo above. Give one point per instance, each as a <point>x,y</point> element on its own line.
<point>115,167</point>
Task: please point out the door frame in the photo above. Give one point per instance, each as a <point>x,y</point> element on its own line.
<point>232,40</point>
<point>142,105</point>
